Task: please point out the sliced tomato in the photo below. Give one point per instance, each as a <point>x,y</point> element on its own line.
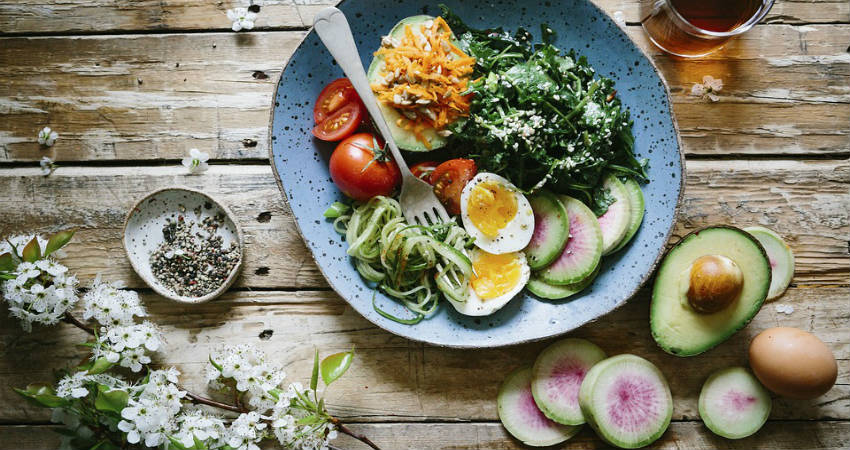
<point>424,169</point>
<point>341,123</point>
<point>333,97</point>
<point>449,179</point>
<point>361,169</point>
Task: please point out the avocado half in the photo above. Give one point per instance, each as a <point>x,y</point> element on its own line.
<point>405,140</point>
<point>676,326</point>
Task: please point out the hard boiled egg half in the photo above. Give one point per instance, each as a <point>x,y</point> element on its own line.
<point>496,279</point>
<point>496,214</point>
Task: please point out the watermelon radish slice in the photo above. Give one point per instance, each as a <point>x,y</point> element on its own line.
<point>551,230</point>
<point>638,207</point>
<point>521,416</point>
<point>615,221</point>
<point>583,251</point>
<point>545,290</point>
<point>733,403</point>
<point>626,399</point>
<point>557,375</point>
<point>781,259</point>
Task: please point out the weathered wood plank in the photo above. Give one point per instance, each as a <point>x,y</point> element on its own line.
<point>775,435</point>
<point>398,380</point>
<point>97,16</point>
<point>148,97</point>
<point>804,201</point>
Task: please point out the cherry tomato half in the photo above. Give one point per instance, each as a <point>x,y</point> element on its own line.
<point>333,97</point>
<point>341,123</point>
<point>361,170</point>
<point>448,180</point>
<point>424,169</point>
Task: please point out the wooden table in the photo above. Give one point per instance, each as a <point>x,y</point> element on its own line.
<point>132,86</point>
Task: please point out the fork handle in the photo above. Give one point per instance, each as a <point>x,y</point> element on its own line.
<point>332,27</point>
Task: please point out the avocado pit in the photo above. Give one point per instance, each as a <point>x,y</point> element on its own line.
<point>715,283</point>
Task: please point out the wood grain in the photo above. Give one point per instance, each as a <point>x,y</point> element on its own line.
<point>775,435</point>
<point>394,379</point>
<point>152,97</point>
<point>130,94</point>
<point>804,201</point>
<point>98,16</point>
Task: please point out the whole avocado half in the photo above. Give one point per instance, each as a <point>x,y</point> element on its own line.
<point>405,139</point>
<point>676,326</point>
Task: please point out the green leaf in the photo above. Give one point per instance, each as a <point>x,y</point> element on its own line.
<point>176,443</point>
<point>32,251</point>
<point>275,393</point>
<point>110,400</point>
<point>105,444</point>
<point>308,420</point>
<point>215,364</point>
<point>58,241</point>
<point>336,365</point>
<point>100,365</point>
<point>7,262</point>
<point>314,379</point>
<point>41,395</point>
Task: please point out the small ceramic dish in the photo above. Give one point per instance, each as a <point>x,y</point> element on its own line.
<point>143,233</point>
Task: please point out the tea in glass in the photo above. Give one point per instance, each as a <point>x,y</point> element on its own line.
<point>693,28</point>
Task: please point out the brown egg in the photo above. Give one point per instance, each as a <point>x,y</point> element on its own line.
<point>793,363</point>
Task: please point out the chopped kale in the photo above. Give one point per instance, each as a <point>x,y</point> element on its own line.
<point>542,118</point>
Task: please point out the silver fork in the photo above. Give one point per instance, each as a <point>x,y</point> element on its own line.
<point>418,202</point>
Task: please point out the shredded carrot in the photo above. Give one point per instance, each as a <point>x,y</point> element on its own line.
<point>424,77</point>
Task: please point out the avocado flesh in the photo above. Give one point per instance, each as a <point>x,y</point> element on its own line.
<point>676,326</point>
<point>405,139</point>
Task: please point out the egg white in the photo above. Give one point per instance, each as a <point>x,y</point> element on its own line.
<point>516,235</point>
<point>476,306</point>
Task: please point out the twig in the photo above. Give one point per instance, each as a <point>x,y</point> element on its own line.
<point>345,430</point>
<point>68,318</point>
<point>195,398</point>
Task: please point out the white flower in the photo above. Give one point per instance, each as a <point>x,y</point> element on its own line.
<point>110,305</point>
<point>51,267</point>
<point>47,136</point>
<point>151,411</point>
<point>75,386</point>
<point>196,162</point>
<point>246,431</point>
<point>198,425</point>
<point>40,293</point>
<point>241,18</point>
<point>47,166</point>
<point>708,89</point>
<point>246,366</point>
<point>619,18</point>
<point>128,345</point>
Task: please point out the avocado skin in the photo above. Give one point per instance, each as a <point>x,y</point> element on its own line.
<point>675,345</point>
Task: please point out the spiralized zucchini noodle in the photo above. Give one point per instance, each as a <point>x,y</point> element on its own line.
<point>411,263</point>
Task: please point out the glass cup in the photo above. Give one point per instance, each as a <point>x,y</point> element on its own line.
<point>692,28</point>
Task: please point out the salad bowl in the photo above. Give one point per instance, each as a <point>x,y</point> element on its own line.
<point>300,164</point>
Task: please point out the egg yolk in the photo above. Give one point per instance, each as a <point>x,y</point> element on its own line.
<point>495,275</point>
<point>491,207</point>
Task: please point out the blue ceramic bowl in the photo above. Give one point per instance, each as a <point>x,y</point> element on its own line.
<point>300,165</point>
